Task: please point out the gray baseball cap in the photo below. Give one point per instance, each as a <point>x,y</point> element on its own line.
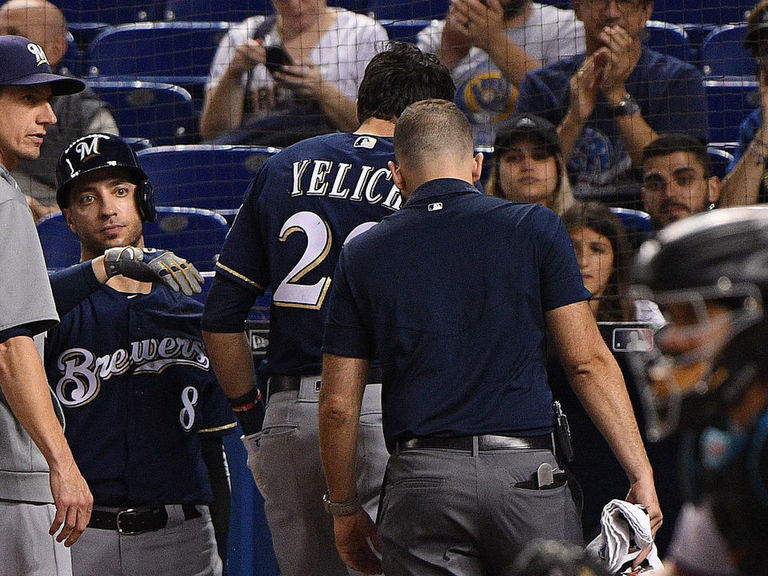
<point>23,63</point>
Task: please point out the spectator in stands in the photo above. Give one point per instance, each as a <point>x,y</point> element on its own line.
<point>677,179</point>
<point>744,183</point>
<point>603,253</point>
<point>251,98</point>
<point>78,115</point>
<point>612,101</point>
<point>528,164</point>
<point>489,45</point>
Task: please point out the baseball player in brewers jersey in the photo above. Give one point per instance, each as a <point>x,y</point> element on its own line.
<point>128,365</point>
<point>304,203</point>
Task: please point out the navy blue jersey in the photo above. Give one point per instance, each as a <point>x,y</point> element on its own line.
<point>450,294</point>
<point>303,205</point>
<point>134,379</point>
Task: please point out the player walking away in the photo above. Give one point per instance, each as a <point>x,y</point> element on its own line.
<point>129,366</point>
<point>709,378</point>
<point>455,295</point>
<point>37,471</point>
<point>303,205</point>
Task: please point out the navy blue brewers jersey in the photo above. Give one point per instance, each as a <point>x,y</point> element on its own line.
<point>303,205</point>
<point>135,382</point>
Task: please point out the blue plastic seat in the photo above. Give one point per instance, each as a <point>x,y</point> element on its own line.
<point>408,9</point>
<point>633,220</point>
<point>702,11</point>
<point>173,52</point>
<point>111,11</point>
<point>729,100</point>
<point>192,233</point>
<point>719,159</point>
<point>723,52</point>
<point>160,112</point>
<point>669,39</point>
<point>404,30</point>
<point>203,176</point>
<point>222,10</point>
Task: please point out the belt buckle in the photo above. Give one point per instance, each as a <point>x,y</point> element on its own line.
<point>120,528</point>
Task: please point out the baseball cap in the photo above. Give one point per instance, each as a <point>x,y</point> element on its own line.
<point>757,28</point>
<point>23,63</point>
<point>522,125</point>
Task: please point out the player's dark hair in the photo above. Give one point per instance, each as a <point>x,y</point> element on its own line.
<point>667,144</point>
<point>399,76</point>
<point>614,303</point>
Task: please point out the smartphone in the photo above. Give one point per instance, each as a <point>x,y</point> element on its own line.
<point>277,57</point>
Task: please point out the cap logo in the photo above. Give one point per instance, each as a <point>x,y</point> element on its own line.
<point>87,147</point>
<point>526,123</point>
<point>38,53</point>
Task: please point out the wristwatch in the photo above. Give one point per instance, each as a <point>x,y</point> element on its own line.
<point>341,508</point>
<point>626,107</point>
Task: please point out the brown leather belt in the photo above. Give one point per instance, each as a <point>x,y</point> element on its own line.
<point>484,442</point>
<point>129,521</point>
<point>279,383</point>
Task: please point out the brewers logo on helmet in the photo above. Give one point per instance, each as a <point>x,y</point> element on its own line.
<point>97,152</point>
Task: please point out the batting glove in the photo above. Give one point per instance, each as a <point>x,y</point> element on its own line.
<point>151,265</point>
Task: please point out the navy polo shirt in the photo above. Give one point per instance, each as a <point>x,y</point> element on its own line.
<point>449,294</point>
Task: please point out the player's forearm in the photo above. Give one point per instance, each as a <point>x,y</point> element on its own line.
<point>569,131</point>
<point>742,184</point>
<point>341,111</point>
<point>453,46</point>
<point>223,107</point>
<point>25,387</point>
<point>636,134</point>
<point>232,362</point>
<point>339,413</point>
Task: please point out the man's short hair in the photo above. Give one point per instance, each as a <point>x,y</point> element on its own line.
<point>667,144</point>
<point>399,76</point>
<point>429,128</point>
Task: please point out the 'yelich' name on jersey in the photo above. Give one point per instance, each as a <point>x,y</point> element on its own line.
<point>330,179</point>
<point>82,372</point>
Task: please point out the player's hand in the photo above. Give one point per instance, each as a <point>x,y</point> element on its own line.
<point>151,265</point>
<point>73,501</point>
<point>644,492</point>
<point>353,533</point>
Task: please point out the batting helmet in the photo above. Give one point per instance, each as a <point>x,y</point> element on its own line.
<point>96,152</point>
<point>709,274</point>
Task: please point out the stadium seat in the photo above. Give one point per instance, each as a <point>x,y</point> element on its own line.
<point>403,30</point>
<point>220,11</point>
<point>719,159</point>
<point>723,52</point>
<point>729,101</point>
<point>194,234</point>
<point>702,11</point>
<point>407,9</point>
<point>110,11</point>
<point>162,113</point>
<point>203,176</point>
<point>72,62</point>
<point>637,225</point>
<point>669,39</point>
<point>173,52</point>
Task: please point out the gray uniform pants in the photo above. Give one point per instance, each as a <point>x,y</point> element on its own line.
<point>459,513</point>
<point>26,548</point>
<point>290,477</point>
<point>184,547</point>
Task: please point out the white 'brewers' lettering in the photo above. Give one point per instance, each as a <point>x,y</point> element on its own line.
<point>82,373</point>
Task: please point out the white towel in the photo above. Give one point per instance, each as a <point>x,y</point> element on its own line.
<point>625,532</point>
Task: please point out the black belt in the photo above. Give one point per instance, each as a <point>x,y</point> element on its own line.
<point>137,520</point>
<point>484,442</point>
<point>278,383</point>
